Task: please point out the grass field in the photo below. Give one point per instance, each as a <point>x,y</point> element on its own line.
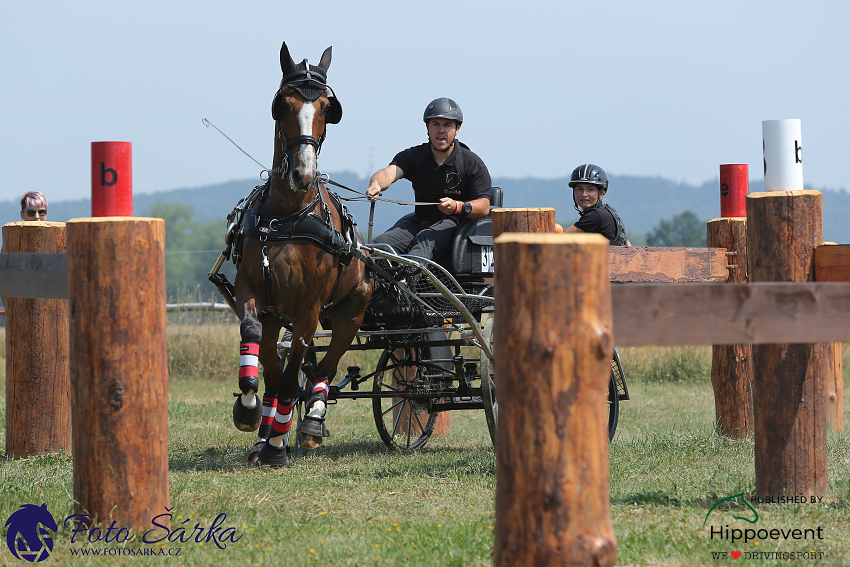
<point>353,502</point>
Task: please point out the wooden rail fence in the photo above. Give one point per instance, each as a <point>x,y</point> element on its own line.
<point>565,323</point>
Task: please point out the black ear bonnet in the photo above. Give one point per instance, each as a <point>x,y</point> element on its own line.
<point>310,81</point>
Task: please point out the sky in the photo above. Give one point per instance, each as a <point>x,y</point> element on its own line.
<point>656,88</point>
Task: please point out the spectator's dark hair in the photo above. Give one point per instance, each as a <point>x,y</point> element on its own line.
<point>34,197</point>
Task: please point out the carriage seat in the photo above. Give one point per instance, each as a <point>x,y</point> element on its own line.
<point>472,249</point>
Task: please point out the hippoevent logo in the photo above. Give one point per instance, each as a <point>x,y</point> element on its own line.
<point>30,532</point>
<point>754,535</point>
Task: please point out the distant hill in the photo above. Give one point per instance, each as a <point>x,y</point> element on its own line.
<point>641,201</point>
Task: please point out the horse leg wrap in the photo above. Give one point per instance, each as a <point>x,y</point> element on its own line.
<point>249,372</point>
<point>269,411</point>
<point>282,419</point>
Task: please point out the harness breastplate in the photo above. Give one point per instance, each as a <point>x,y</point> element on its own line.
<point>309,226</point>
<point>304,225</point>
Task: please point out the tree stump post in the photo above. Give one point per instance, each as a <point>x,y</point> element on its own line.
<point>38,383</point>
<point>555,344</point>
<point>732,365</point>
<point>119,368</point>
<point>832,264</point>
<point>522,220</point>
<point>784,229</point>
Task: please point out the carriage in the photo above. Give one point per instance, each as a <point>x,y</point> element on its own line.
<point>301,262</point>
<point>433,325</point>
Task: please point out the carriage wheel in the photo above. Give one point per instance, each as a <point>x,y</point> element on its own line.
<point>488,383</point>
<point>613,395</point>
<point>613,405</point>
<point>403,422</point>
<point>491,404</point>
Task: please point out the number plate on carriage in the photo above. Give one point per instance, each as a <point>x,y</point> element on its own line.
<point>487,263</point>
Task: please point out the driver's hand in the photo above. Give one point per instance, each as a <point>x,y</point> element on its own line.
<point>373,191</point>
<point>447,206</point>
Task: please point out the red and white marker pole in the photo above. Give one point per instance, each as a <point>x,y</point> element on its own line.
<point>111,179</point>
<point>734,186</point>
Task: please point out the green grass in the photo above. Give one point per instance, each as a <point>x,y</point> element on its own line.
<point>353,502</point>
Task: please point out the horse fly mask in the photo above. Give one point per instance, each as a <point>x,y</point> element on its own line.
<point>310,81</point>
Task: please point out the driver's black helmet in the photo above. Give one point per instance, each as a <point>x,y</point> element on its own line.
<point>443,108</point>
<point>592,174</point>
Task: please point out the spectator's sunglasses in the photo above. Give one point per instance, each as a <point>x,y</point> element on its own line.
<point>33,212</point>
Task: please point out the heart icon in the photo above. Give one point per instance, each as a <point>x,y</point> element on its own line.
<point>735,554</point>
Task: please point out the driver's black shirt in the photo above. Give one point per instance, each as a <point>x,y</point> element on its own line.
<point>432,182</point>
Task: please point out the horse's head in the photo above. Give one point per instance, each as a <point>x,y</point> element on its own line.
<point>302,108</point>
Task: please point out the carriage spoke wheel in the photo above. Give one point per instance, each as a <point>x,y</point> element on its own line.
<point>488,383</point>
<point>491,404</point>
<point>613,395</point>
<point>403,421</point>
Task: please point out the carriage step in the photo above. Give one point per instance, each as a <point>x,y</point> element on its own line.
<point>448,404</point>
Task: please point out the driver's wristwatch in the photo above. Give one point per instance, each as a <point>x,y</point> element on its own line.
<point>466,209</point>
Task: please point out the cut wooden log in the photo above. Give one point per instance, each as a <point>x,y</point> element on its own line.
<point>38,383</point>
<point>554,340</point>
<point>522,220</point>
<point>832,264</point>
<point>784,228</point>
<point>119,368</point>
<point>732,365</point>
<point>641,264</point>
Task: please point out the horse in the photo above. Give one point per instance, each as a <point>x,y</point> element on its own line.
<point>299,258</point>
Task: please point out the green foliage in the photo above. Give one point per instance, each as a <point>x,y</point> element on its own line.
<point>667,364</point>
<point>684,229</point>
<point>191,248</point>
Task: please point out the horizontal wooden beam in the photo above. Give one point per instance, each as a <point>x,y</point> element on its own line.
<point>649,265</point>
<point>34,275</point>
<point>725,313</point>
<point>832,263</point>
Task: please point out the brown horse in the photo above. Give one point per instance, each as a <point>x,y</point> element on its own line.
<point>296,263</point>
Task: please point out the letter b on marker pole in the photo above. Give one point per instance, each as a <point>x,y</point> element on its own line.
<point>111,179</point>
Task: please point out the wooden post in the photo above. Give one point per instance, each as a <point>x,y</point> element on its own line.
<point>788,379</point>
<point>522,220</point>
<point>554,324</point>
<point>732,365</point>
<point>38,384</point>
<point>119,368</point>
<point>832,264</point>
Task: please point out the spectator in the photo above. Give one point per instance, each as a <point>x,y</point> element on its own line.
<point>34,206</point>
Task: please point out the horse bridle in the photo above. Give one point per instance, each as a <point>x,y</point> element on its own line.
<point>313,78</point>
<point>286,145</point>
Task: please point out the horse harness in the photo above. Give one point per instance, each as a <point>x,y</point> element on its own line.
<point>304,224</point>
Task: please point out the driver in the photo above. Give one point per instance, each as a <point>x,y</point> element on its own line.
<point>443,171</point>
<point>589,183</point>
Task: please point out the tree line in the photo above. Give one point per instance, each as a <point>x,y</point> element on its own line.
<point>192,247</point>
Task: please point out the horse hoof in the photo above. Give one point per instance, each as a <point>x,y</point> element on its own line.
<point>247,419</point>
<point>272,456</point>
<point>311,432</point>
<point>252,456</point>
<point>308,441</point>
